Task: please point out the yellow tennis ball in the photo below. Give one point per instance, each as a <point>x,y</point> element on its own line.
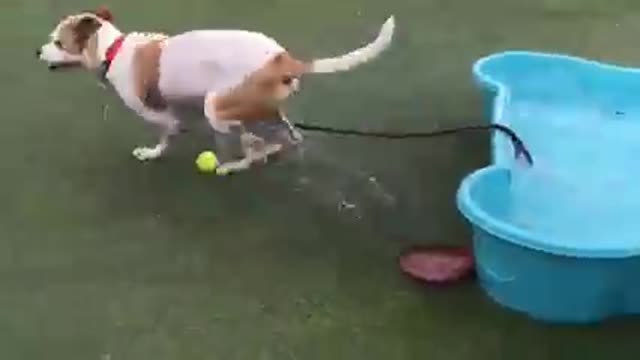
<point>207,161</point>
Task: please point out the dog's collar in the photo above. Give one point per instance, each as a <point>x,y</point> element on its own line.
<point>112,51</point>
<point>110,55</point>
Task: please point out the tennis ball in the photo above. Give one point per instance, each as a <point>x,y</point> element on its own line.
<point>207,161</point>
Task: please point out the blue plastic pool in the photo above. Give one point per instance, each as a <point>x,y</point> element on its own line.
<point>559,241</point>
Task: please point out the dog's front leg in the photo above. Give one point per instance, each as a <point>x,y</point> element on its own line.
<point>168,124</point>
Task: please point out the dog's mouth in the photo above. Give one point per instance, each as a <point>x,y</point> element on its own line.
<point>55,66</point>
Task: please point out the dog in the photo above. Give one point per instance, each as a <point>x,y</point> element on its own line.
<point>236,78</point>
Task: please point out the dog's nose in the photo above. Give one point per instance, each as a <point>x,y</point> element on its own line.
<point>38,53</point>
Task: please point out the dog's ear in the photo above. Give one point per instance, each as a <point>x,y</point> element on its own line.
<point>104,13</point>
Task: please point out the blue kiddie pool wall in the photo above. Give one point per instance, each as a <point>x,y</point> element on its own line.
<point>559,241</point>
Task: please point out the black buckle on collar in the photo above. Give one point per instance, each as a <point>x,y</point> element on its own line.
<point>102,72</point>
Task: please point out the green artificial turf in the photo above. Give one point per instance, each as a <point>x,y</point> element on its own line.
<point>104,258</point>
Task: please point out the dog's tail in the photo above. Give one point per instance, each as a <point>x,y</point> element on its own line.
<point>359,56</point>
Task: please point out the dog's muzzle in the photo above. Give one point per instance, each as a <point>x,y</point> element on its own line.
<point>62,65</point>
<point>50,66</point>
<point>56,65</point>
<point>53,66</point>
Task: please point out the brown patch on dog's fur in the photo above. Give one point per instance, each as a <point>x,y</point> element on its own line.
<point>261,94</point>
<point>67,39</point>
<point>77,37</point>
<point>146,69</point>
<point>245,112</point>
<point>91,59</point>
<point>83,30</point>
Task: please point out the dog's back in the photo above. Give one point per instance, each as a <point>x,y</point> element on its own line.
<point>201,61</point>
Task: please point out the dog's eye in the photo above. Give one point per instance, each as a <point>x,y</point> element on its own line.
<point>58,44</point>
<point>287,81</point>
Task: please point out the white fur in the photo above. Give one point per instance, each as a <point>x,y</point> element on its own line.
<point>120,75</point>
<point>358,56</point>
<point>218,60</point>
<point>199,64</point>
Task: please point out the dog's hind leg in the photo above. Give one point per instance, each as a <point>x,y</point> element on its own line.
<point>295,134</point>
<point>168,125</point>
<point>252,153</point>
<point>254,148</point>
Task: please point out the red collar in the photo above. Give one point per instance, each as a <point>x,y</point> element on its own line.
<point>113,51</point>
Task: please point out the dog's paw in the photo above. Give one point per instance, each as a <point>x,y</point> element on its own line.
<point>223,171</point>
<point>272,149</point>
<point>146,153</point>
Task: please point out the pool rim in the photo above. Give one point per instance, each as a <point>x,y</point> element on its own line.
<point>511,233</point>
<point>502,93</point>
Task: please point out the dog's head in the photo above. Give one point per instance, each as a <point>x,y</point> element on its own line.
<point>73,42</point>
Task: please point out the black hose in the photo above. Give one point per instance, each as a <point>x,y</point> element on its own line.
<point>519,148</point>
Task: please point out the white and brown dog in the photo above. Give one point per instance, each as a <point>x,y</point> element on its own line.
<point>236,77</point>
